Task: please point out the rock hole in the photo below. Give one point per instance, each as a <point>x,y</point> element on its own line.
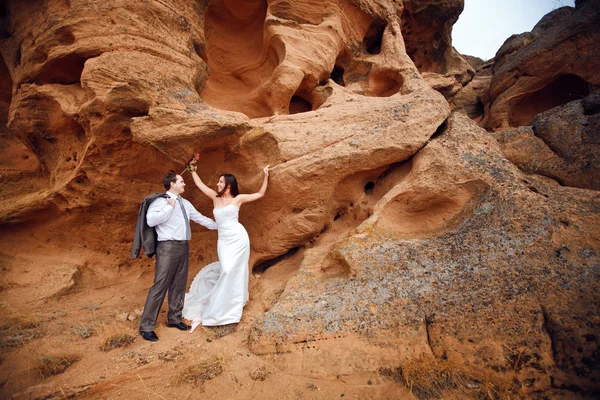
<point>373,38</point>
<point>562,90</point>
<point>6,85</point>
<point>369,188</point>
<point>200,50</point>
<point>299,105</point>
<point>62,70</point>
<point>478,110</point>
<point>263,266</point>
<point>533,189</point>
<point>338,75</point>
<point>133,108</point>
<point>4,21</point>
<point>440,129</point>
<point>384,83</point>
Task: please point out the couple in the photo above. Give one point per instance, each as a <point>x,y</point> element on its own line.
<point>220,290</point>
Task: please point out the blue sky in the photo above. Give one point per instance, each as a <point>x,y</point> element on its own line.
<point>485,24</point>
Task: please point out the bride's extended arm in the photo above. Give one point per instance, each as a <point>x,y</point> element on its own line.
<point>246,198</point>
<point>203,188</point>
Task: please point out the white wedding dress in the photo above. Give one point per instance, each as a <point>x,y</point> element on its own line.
<point>220,290</point>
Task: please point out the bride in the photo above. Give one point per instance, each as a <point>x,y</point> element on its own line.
<point>220,290</point>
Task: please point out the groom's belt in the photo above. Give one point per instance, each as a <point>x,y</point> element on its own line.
<point>172,241</point>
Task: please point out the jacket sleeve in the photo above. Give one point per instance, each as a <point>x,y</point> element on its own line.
<point>137,238</point>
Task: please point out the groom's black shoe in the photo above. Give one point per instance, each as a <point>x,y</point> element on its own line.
<point>180,325</point>
<point>151,336</point>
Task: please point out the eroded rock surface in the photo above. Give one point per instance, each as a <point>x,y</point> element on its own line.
<point>562,143</point>
<point>427,29</point>
<point>125,110</point>
<point>531,74</point>
<point>473,98</point>
<point>463,256</point>
<point>392,231</point>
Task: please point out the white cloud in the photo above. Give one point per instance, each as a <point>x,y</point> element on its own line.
<point>484,25</point>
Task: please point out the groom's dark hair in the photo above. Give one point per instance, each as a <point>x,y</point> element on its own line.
<point>169,177</point>
<point>230,182</point>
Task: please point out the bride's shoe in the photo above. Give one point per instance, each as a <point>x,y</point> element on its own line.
<point>195,324</point>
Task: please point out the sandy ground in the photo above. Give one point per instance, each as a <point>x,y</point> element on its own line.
<point>69,313</point>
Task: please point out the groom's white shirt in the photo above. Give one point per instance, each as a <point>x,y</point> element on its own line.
<point>169,222</point>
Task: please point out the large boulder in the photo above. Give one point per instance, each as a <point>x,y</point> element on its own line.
<point>427,32</point>
<point>555,63</point>
<point>464,258</point>
<point>562,143</point>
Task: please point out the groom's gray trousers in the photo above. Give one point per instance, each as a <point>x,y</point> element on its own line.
<point>170,275</point>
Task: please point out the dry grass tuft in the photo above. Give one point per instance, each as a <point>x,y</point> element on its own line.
<point>53,364</point>
<point>83,330</point>
<point>116,341</point>
<point>427,379</point>
<point>20,322</point>
<point>201,371</point>
<point>260,374</point>
<point>221,330</point>
<point>115,336</point>
<point>18,329</point>
<point>170,355</point>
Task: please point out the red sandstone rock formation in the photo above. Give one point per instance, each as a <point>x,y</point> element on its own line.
<point>392,231</point>
<point>473,98</point>
<point>522,96</point>
<point>426,29</point>
<point>561,143</point>
<point>530,71</point>
<point>463,255</point>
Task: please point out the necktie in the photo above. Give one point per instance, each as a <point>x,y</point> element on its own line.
<point>188,235</point>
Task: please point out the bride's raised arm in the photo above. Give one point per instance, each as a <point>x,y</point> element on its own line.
<point>203,188</point>
<point>246,198</point>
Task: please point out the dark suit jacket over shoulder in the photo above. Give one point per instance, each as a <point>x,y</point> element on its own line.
<point>145,236</point>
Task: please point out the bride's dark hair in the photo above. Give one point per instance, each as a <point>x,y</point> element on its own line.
<point>230,182</point>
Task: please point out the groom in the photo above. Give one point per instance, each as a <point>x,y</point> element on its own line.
<point>170,216</point>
